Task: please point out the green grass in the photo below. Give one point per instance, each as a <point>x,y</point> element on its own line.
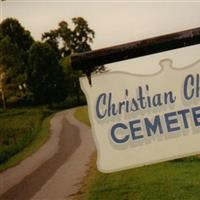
<point>82,115</point>
<point>22,132</point>
<point>179,179</point>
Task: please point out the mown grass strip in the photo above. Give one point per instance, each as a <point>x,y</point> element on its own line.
<point>174,180</point>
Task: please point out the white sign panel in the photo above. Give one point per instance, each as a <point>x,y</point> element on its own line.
<point>142,119</point>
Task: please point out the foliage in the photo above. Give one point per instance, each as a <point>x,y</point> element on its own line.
<point>69,41</point>
<point>74,40</point>
<point>72,80</point>
<point>45,77</point>
<point>15,31</point>
<point>14,44</point>
<point>51,39</point>
<point>12,65</point>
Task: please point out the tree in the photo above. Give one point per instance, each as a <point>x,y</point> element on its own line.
<point>18,36</point>
<point>82,36</point>
<point>2,78</point>
<point>45,77</point>
<point>74,40</point>
<point>15,42</point>
<point>72,81</point>
<point>51,38</point>
<point>69,41</point>
<point>13,68</point>
<point>15,31</point>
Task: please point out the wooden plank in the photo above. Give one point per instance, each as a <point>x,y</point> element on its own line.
<point>88,60</point>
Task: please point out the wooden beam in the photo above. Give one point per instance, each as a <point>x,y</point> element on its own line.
<point>88,60</point>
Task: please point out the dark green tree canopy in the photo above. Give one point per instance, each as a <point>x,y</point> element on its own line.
<point>15,42</point>
<point>44,74</point>
<point>82,35</point>
<point>19,36</point>
<point>71,40</point>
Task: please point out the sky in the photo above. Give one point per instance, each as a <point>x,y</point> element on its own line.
<point>114,22</point>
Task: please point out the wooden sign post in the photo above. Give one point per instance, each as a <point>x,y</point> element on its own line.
<point>88,60</point>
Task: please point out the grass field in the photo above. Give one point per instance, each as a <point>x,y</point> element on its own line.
<point>22,131</point>
<point>178,179</point>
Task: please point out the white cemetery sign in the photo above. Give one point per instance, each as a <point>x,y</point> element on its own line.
<point>142,119</point>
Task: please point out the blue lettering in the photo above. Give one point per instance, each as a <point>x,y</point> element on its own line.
<point>152,127</point>
<point>101,99</point>
<point>135,129</point>
<point>189,87</point>
<point>183,114</point>
<point>196,115</point>
<point>170,121</point>
<point>113,133</point>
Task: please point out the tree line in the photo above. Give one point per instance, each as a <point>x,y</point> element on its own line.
<point>39,72</point>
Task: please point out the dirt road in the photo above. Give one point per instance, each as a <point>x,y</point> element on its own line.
<point>54,172</point>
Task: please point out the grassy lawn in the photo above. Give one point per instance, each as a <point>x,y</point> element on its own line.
<point>82,115</point>
<point>22,132</point>
<point>179,179</point>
